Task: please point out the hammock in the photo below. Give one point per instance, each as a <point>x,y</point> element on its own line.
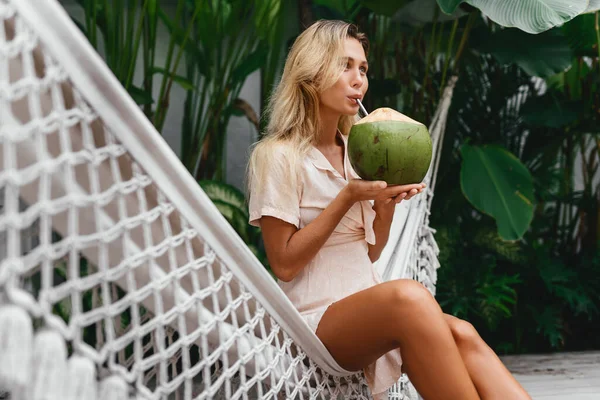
<point>119,278</point>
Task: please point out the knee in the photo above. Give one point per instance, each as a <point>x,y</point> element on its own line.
<point>410,292</point>
<point>464,333</point>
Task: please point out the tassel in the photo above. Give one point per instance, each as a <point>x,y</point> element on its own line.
<point>81,379</point>
<point>49,364</point>
<point>113,388</point>
<point>16,339</point>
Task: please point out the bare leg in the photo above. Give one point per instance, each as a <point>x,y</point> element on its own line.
<point>491,378</point>
<point>399,313</point>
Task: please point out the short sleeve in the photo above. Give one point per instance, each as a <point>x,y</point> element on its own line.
<point>275,194</point>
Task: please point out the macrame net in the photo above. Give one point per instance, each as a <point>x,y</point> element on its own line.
<point>109,287</point>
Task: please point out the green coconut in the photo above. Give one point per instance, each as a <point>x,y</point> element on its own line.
<point>387,145</point>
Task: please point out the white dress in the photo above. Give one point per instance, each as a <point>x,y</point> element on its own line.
<point>329,276</point>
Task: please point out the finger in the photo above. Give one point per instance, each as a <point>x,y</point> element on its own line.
<point>379,185</point>
<point>396,190</point>
<point>408,188</point>
<point>410,194</point>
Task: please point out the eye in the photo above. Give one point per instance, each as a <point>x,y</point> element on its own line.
<point>363,70</point>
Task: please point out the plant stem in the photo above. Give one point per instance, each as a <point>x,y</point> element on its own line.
<point>448,52</point>
<point>597,35</point>
<point>430,53</point>
<point>175,66</point>
<point>465,36</point>
<point>130,57</point>
<point>163,85</point>
<point>138,35</point>
<point>149,46</point>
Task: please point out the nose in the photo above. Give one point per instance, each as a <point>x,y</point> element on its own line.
<point>358,79</point>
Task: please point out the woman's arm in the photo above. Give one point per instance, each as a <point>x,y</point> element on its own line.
<point>290,249</point>
<point>385,211</point>
<point>381,226</point>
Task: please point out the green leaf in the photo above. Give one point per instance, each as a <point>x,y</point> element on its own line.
<point>423,11</point>
<point>570,81</point>
<point>182,81</point>
<point>533,16</point>
<point>550,110</point>
<point>343,7</point>
<point>384,7</point>
<point>488,238</point>
<point>251,63</point>
<point>540,55</point>
<point>581,35</point>
<point>267,18</point>
<point>550,324</point>
<point>223,192</point>
<point>235,217</point>
<point>593,6</point>
<point>140,96</point>
<point>496,183</point>
<point>152,10</point>
<point>449,6</point>
<point>192,49</point>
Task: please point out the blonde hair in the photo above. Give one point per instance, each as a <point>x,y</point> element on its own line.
<point>314,64</point>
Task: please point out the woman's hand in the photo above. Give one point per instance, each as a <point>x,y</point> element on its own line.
<point>385,208</point>
<point>379,191</point>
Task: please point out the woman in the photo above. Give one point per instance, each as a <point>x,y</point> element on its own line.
<point>323,227</point>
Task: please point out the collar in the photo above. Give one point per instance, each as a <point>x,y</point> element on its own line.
<point>321,162</point>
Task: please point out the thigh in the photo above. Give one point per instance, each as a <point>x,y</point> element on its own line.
<point>360,328</point>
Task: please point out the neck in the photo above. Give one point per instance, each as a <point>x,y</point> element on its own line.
<point>329,126</point>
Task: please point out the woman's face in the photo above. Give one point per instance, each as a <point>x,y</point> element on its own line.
<point>352,84</point>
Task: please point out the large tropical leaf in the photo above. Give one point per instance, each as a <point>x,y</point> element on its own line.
<point>540,55</point>
<point>533,16</point>
<point>593,6</point>
<point>498,184</point>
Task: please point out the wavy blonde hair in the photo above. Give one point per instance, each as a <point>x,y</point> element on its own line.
<point>314,64</point>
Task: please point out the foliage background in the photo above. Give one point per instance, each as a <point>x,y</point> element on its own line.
<point>525,110</point>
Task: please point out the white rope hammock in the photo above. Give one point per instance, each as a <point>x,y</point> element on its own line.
<point>118,276</point>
